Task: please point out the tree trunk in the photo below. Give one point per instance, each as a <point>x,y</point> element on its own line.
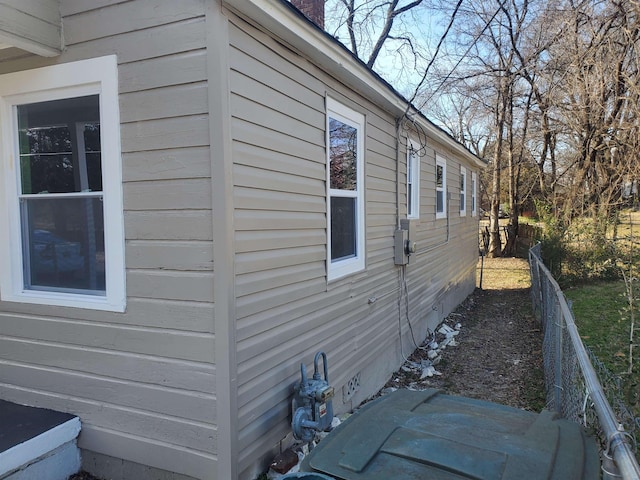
<point>495,242</point>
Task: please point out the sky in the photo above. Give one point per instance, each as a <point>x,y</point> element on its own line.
<point>421,28</point>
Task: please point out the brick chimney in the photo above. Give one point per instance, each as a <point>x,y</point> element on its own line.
<point>313,9</point>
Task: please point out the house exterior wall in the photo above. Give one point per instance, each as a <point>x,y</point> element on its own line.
<point>142,381</point>
<point>286,310</point>
<point>33,25</point>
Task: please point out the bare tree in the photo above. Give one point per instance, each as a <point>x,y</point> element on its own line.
<point>371,26</point>
<point>547,86</point>
<point>600,106</point>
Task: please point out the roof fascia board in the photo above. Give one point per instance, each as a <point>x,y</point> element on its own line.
<point>279,19</point>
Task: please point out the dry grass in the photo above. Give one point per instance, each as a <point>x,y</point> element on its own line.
<point>503,274</point>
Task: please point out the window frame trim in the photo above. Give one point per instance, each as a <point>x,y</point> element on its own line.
<point>67,80</point>
<point>474,193</point>
<point>463,191</point>
<point>414,214</point>
<point>440,160</point>
<point>342,268</point>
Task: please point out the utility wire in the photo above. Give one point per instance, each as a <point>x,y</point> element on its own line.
<point>448,75</point>
<point>435,55</point>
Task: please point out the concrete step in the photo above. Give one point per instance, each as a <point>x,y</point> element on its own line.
<point>36,443</point>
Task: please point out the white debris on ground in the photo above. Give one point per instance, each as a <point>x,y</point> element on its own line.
<point>289,461</point>
<point>443,337</point>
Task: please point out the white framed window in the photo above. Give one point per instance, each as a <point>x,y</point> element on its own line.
<point>474,195</point>
<point>463,191</point>
<point>441,187</point>
<point>60,171</point>
<point>345,190</point>
<point>413,179</point>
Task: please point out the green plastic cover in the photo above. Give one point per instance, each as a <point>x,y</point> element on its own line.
<point>428,435</point>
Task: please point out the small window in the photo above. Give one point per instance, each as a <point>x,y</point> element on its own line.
<point>463,191</point>
<point>413,179</point>
<point>345,190</point>
<point>441,187</point>
<point>474,187</point>
<point>64,242</point>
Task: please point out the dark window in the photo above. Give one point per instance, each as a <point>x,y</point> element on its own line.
<point>343,234</point>
<point>61,199</point>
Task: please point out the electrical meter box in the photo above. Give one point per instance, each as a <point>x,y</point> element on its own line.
<point>404,245</point>
<point>410,435</point>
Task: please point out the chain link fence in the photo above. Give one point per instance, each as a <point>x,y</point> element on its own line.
<point>574,378</point>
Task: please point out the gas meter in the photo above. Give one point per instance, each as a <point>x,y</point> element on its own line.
<point>312,405</point>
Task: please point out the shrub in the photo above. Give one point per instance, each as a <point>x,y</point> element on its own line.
<point>577,252</point>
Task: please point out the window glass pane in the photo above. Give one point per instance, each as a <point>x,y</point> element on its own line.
<point>42,139</point>
<point>343,140</point>
<point>440,201</point>
<point>94,171</point>
<point>473,194</point>
<point>439,176</point>
<point>51,173</point>
<point>64,244</point>
<point>410,162</point>
<point>60,146</point>
<point>343,228</point>
<point>92,137</point>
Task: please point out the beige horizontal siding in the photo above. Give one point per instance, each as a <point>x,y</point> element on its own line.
<point>72,7</point>
<point>149,312</point>
<point>127,17</point>
<point>255,199</point>
<point>169,224</point>
<point>271,220</point>
<point>140,340</point>
<point>269,181</point>
<point>251,134</point>
<point>295,256</point>
<point>170,285</point>
<point>33,25</point>
<point>169,164</point>
<point>183,194</point>
<point>247,241</point>
<point>141,368</point>
<point>144,44</point>
<point>280,161</point>
<point>278,69</point>
<point>278,297</point>
<point>286,309</point>
<point>166,133</point>
<point>192,462</point>
<point>173,101</point>
<point>177,69</point>
<point>164,400</point>
<point>177,255</point>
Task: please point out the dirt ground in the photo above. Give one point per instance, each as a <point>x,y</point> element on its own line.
<point>496,355</point>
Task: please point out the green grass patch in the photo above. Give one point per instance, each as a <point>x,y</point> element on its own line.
<point>599,310</point>
<point>601,315</point>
